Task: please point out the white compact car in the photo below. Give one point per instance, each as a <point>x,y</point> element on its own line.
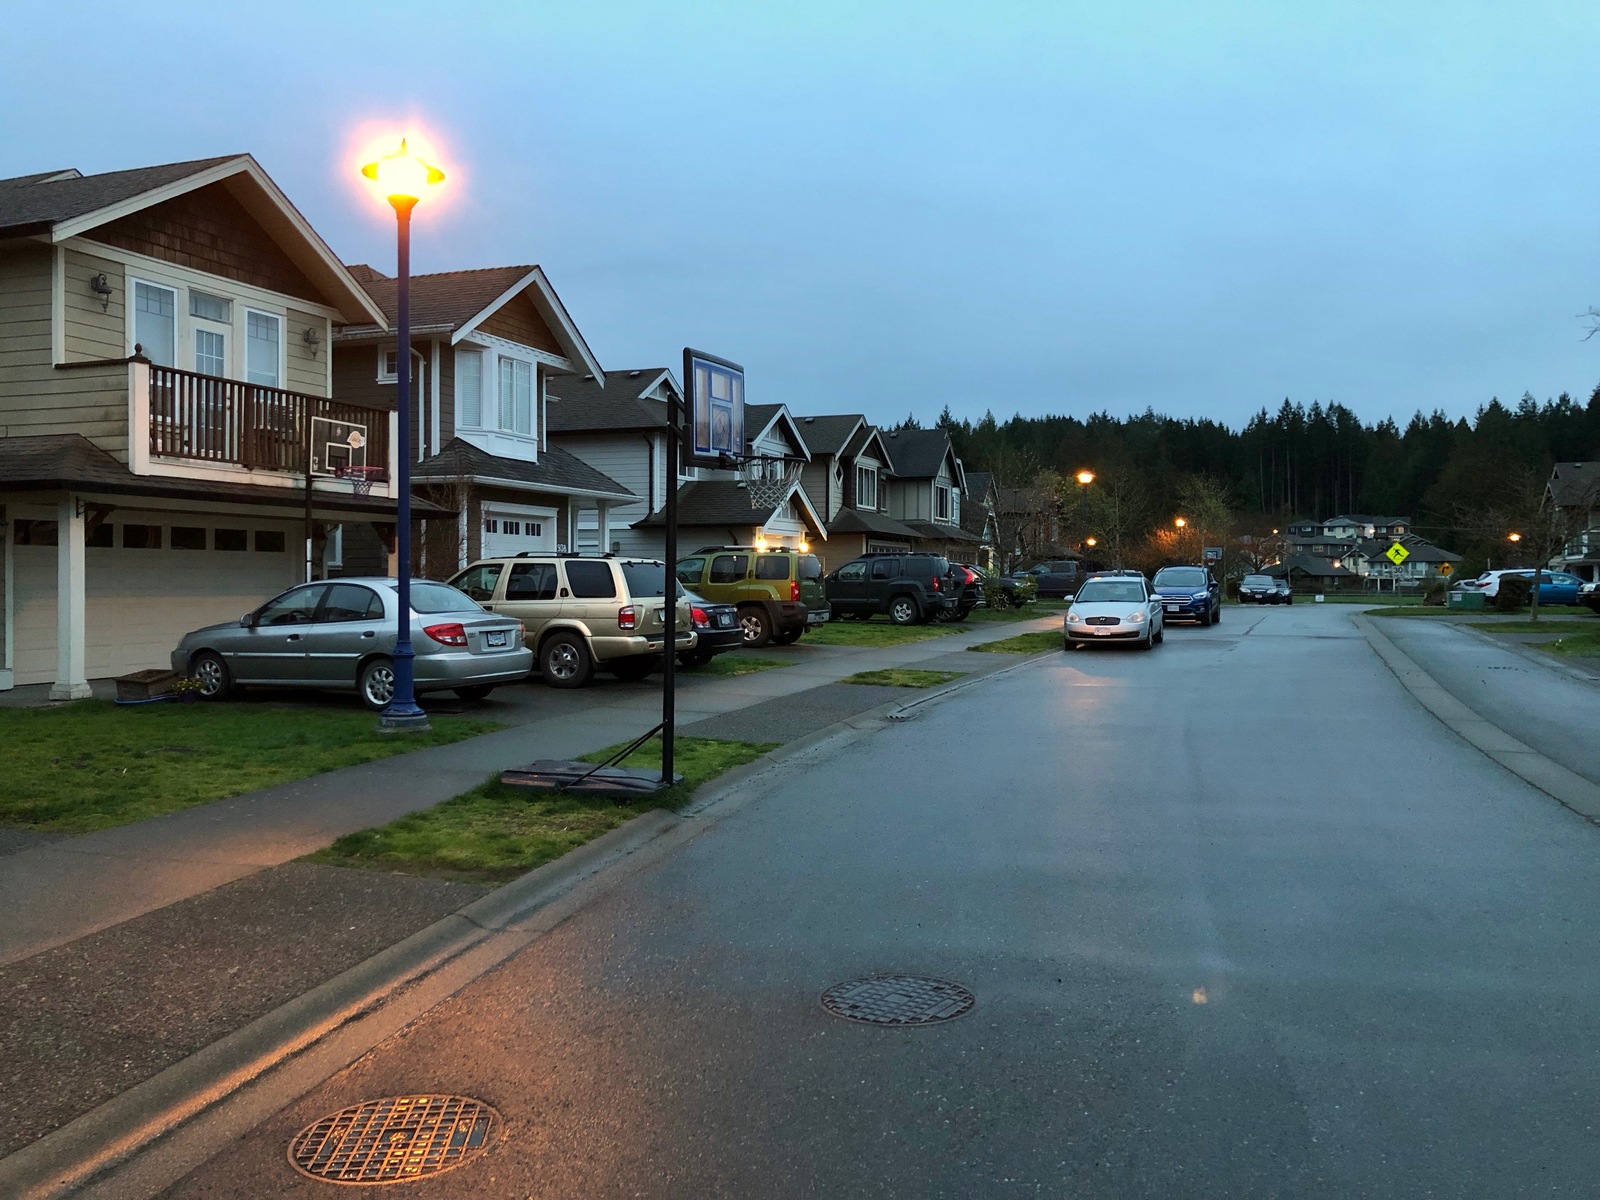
<point>1114,608</point>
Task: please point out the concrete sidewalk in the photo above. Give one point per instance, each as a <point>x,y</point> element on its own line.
<point>54,893</point>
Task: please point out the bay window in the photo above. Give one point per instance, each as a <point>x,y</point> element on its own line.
<point>516,396</point>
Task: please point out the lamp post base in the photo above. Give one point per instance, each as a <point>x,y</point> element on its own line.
<point>395,719</point>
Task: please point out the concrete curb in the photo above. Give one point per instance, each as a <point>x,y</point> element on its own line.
<point>110,1135</point>
<point>1550,777</point>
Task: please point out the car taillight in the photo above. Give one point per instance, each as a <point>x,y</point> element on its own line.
<point>628,618</point>
<point>447,635</point>
<point>522,633</point>
<point>698,616</point>
<point>794,589</point>
<point>936,583</point>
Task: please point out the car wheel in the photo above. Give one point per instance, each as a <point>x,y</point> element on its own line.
<point>903,610</point>
<point>633,669</point>
<point>476,691</point>
<point>757,625</point>
<point>787,637</point>
<point>564,661</point>
<point>212,674</point>
<point>1216,615</point>
<point>1160,635</point>
<point>694,658</point>
<point>376,683</point>
<point>1001,599</point>
<point>959,616</point>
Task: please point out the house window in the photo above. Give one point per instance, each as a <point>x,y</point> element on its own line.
<point>955,506</point>
<point>210,352</point>
<point>516,396</point>
<point>141,537</point>
<point>263,341</point>
<point>155,323</point>
<point>210,308</point>
<point>100,537</point>
<point>388,365</point>
<point>469,388</point>
<point>333,550</point>
<point>941,503</point>
<point>866,487</point>
<point>230,539</point>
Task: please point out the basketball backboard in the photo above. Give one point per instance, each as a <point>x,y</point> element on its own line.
<point>336,445</point>
<point>715,397</point>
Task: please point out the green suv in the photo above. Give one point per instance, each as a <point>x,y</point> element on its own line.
<point>778,592</point>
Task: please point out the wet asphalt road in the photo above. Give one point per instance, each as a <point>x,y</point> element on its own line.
<point>1241,919</point>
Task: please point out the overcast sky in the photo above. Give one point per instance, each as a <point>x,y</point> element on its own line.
<point>1054,207</point>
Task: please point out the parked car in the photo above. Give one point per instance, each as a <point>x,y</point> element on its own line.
<point>1111,608</point>
<point>1189,594</point>
<point>1489,582</point>
<point>716,629</point>
<point>910,588</point>
<point>581,613</point>
<point>340,634</point>
<point>1557,587</point>
<point>1057,579</point>
<point>1589,597</point>
<point>968,583</point>
<point>778,593</point>
<point>1264,589</point>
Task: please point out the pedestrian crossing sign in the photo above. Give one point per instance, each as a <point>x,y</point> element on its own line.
<point>1397,554</point>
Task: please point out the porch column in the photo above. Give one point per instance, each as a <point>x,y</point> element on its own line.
<point>70,683</point>
<point>605,527</point>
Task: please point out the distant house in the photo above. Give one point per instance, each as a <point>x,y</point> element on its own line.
<point>1573,495</point>
<point>926,489</point>
<point>979,507</point>
<point>1365,526</point>
<point>848,479</point>
<point>1370,561</point>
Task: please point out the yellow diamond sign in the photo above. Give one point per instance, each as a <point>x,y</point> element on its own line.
<point>1445,568</point>
<point>1397,554</point>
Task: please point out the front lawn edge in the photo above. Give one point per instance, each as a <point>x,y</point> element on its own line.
<point>92,1149</point>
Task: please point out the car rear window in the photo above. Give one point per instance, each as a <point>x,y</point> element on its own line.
<point>430,597</point>
<point>772,566</point>
<point>807,567</point>
<point>646,580</point>
<point>591,580</point>
<point>1256,581</point>
<point>1181,577</point>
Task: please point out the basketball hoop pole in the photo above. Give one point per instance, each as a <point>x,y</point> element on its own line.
<point>669,648</point>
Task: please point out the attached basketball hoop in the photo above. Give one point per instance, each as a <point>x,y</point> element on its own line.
<point>361,479</point>
<point>769,479</point>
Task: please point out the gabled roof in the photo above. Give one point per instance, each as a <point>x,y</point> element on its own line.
<point>830,434</point>
<point>1319,568</point>
<point>62,204</point>
<point>557,470</point>
<point>619,405</point>
<point>457,302</point>
<point>1575,485</point>
<point>727,502</point>
<point>759,418</point>
<point>942,533</point>
<point>869,435</point>
<point>857,520</point>
<point>979,482</point>
<point>919,453</point>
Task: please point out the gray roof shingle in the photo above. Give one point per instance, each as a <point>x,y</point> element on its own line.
<point>444,300</point>
<point>918,453</point>
<point>586,407</point>
<point>1575,485</point>
<point>714,502</point>
<point>856,520</point>
<point>557,470</point>
<point>50,197</point>
<point>829,434</point>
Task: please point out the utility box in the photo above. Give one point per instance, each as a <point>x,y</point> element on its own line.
<point>1473,601</point>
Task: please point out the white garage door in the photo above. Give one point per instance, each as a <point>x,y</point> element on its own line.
<point>511,530</point>
<point>158,579</point>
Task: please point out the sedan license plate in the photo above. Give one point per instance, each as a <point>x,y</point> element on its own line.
<point>724,620</point>
<point>495,638</point>
<point>1102,631</point>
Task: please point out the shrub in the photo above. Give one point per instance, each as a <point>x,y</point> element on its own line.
<point>1023,591</point>
<point>1512,594</point>
<point>1437,594</point>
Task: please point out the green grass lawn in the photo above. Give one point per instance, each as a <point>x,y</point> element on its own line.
<point>1023,643</point>
<point>497,832</point>
<point>1417,611</point>
<point>737,664</point>
<point>1575,645</point>
<point>1390,599</point>
<point>93,764</point>
<point>875,633</point>
<point>908,677</point>
<point>1542,625</point>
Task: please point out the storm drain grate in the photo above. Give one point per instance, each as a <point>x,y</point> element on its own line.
<point>898,1000</point>
<point>393,1140</point>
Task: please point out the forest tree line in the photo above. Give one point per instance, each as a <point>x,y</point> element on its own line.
<point>1459,481</point>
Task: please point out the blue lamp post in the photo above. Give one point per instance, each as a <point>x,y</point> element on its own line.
<point>402,178</point>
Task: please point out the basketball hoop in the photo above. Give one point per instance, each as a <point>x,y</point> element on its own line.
<point>769,479</point>
<point>361,478</point>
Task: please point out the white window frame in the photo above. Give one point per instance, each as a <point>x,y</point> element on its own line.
<point>180,342</point>
<point>479,355</point>
<point>508,406</point>
<point>249,311</point>
<point>939,490</point>
<point>386,373</point>
<point>864,472</point>
<point>955,506</point>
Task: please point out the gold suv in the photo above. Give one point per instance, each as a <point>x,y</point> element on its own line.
<point>581,613</point>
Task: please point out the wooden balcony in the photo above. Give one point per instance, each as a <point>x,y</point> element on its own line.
<point>226,422</point>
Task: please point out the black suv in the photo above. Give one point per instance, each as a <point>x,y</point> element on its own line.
<point>908,587</point>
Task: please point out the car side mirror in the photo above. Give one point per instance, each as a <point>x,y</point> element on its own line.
<point>248,621</point>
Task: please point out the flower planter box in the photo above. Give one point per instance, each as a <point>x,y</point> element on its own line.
<point>146,685</point>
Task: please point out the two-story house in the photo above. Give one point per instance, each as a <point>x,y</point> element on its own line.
<point>620,426</point>
<point>926,488</point>
<point>170,450</point>
<point>848,480</point>
<point>485,345</point>
<point>980,505</point>
<point>1573,498</point>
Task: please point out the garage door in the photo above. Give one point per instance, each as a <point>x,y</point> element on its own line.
<point>508,531</point>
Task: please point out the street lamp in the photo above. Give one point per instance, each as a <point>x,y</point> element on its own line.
<point>1091,542</point>
<point>1513,537</point>
<point>1180,523</point>
<point>1086,477</point>
<point>402,178</point>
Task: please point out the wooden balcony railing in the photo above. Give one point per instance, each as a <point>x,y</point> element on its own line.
<point>212,420</point>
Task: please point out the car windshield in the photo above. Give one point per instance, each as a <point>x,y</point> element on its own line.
<point>1110,591</point>
<point>1256,581</point>
<point>430,597</point>
<point>1186,577</point>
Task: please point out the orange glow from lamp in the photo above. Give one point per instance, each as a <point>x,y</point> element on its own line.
<point>1091,542</point>
<point>805,546</point>
<point>402,177</point>
<point>1086,477</point>
<point>1180,523</point>
<point>1513,537</point>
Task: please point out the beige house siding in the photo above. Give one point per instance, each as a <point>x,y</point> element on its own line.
<point>35,398</point>
<point>307,366</point>
<point>92,332</point>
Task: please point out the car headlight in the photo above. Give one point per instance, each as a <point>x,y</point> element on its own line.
<point>1200,595</point>
<point>1135,617</point>
<point>1073,616</point>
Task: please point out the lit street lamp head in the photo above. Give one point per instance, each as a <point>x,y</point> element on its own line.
<point>402,177</point>
<point>1091,542</point>
<point>1086,477</point>
<point>1180,523</point>
<point>1513,537</point>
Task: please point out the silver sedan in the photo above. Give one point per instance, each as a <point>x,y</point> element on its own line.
<point>340,634</point>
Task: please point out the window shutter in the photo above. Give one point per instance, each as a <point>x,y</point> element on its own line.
<point>469,387</point>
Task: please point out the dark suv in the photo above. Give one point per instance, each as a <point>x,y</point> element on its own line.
<point>778,592</point>
<point>1189,594</point>
<point>908,587</point>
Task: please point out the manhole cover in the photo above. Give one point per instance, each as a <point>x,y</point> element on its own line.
<point>898,1000</point>
<point>392,1140</point>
